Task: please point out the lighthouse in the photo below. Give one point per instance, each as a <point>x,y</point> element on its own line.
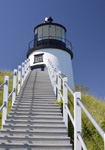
<point>50,43</point>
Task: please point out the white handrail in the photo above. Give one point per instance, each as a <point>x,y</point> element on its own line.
<point>2,84</point>
<point>11,76</point>
<point>69,89</point>
<point>81,141</point>
<point>10,94</point>
<point>70,115</point>
<point>76,121</point>
<point>6,97</point>
<point>3,105</point>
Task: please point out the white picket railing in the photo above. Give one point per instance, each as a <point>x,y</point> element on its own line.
<point>19,74</point>
<point>56,79</point>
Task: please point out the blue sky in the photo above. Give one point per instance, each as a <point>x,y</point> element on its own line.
<point>85,23</point>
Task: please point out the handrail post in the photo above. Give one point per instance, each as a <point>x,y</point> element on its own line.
<point>77,120</point>
<point>25,70</point>
<point>19,76</point>
<point>59,86</point>
<point>54,81</point>
<point>5,100</point>
<point>28,65</point>
<point>22,73</point>
<point>14,86</point>
<point>65,102</point>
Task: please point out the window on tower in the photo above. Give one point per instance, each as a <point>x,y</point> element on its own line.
<point>38,58</point>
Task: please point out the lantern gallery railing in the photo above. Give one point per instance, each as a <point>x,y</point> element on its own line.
<point>33,43</point>
<point>56,80</point>
<point>19,77</point>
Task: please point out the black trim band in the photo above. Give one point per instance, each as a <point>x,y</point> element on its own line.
<point>44,47</point>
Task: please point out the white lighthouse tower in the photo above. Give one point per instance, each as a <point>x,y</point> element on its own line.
<point>50,43</point>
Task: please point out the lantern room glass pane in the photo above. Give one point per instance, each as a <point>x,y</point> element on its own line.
<point>39,33</point>
<point>58,32</point>
<point>45,31</point>
<point>52,30</point>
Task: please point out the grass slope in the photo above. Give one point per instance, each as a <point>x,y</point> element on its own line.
<point>90,135</point>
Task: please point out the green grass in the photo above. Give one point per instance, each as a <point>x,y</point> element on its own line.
<point>2,74</point>
<point>90,135</point>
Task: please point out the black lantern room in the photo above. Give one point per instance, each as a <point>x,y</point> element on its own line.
<point>50,35</point>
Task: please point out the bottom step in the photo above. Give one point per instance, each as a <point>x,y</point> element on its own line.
<point>35,147</point>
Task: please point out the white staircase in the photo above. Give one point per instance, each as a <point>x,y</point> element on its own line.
<point>35,122</point>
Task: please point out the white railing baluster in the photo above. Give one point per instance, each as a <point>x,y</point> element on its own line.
<point>59,86</point>
<point>28,65</point>
<point>5,100</point>
<point>19,77</point>
<point>65,102</point>
<point>14,86</point>
<point>23,73</point>
<point>25,70</point>
<point>77,120</point>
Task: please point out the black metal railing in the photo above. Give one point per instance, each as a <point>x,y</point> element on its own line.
<point>37,41</point>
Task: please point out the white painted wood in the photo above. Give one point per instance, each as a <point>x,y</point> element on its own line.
<point>65,101</point>
<point>59,86</point>
<point>5,100</point>
<point>23,72</point>
<point>14,86</point>
<point>77,121</point>
<point>28,65</point>
<point>19,77</point>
